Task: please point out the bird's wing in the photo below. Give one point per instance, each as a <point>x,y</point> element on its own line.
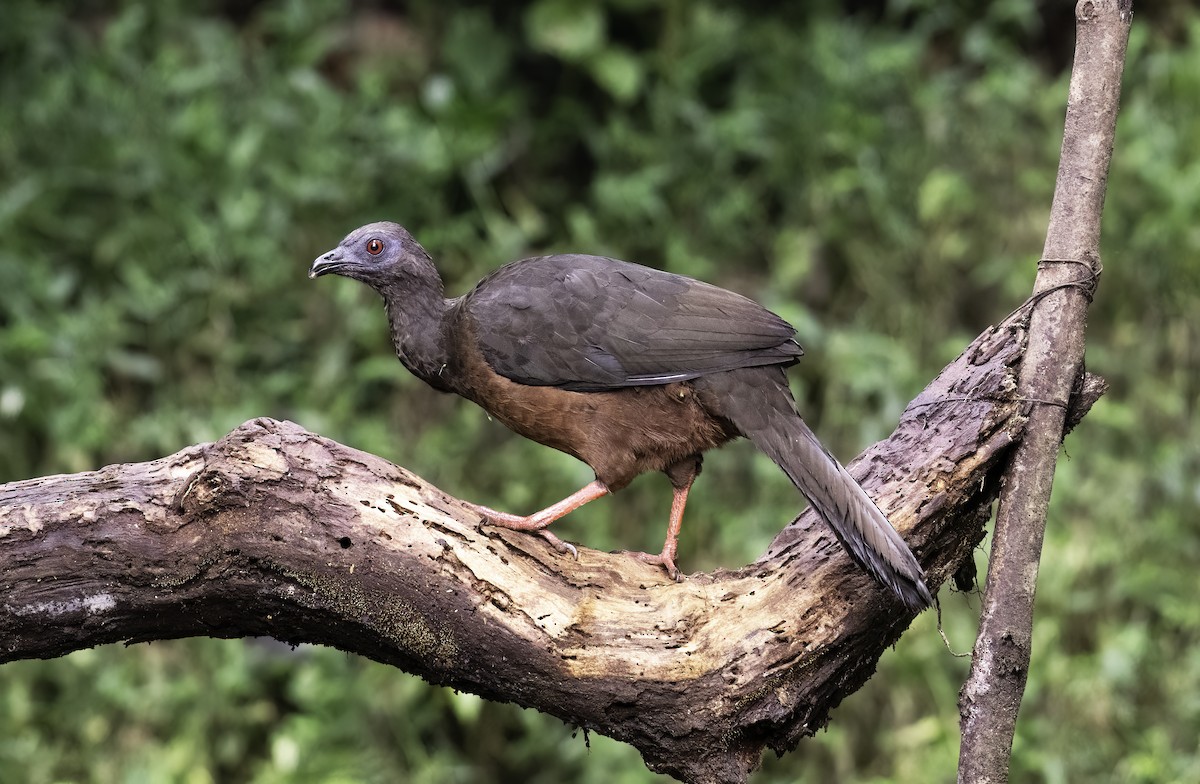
<point>589,323</point>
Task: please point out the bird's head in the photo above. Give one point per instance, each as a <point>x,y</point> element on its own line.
<point>375,254</point>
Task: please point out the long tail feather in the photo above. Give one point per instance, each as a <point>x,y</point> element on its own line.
<point>758,403</point>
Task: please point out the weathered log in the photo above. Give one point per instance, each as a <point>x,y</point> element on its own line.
<point>276,531</point>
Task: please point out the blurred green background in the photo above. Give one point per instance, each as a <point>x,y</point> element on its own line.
<point>879,173</point>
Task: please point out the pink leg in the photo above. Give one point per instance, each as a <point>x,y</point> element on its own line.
<point>539,520</point>
<point>666,558</point>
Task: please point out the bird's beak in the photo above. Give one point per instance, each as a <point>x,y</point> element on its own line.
<point>333,261</point>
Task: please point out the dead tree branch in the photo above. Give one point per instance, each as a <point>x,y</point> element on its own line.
<point>276,531</point>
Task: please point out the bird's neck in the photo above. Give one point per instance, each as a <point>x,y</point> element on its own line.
<point>418,314</point>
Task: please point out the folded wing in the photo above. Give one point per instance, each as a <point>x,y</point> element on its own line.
<point>589,323</point>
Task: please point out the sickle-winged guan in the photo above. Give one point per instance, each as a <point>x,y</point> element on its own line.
<point>625,367</point>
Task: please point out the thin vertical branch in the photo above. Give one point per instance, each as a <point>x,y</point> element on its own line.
<point>991,697</point>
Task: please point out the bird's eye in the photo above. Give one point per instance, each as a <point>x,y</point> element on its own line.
<point>375,246</point>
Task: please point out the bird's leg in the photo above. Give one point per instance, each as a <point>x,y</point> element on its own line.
<point>539,520</point>
<point>666,558</point>
<point>682,474</point>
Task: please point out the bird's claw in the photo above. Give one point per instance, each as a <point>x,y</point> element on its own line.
<point>663,559</point>
<point>559,544</point>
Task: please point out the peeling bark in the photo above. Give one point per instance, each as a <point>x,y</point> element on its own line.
<point>276,531</point>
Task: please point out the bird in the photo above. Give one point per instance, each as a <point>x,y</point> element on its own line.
<point>630,369</point>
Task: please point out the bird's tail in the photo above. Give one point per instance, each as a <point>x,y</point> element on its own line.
<point>758,403</point>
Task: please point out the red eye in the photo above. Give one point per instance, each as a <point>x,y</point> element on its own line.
<point>375,247</point>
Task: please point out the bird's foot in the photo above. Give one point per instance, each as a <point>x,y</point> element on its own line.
<point>527,524</point>
<point>559,544</point>
<point>664,559</point>
<point>502,519</point>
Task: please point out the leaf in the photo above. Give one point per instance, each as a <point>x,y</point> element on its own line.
<point>619,72</point>
<point>568,29</point>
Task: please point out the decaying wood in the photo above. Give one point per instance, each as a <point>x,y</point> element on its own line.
<point>276,531</point>
<point>991,697</point>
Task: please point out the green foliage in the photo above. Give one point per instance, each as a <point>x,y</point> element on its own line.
<point>168,170</point>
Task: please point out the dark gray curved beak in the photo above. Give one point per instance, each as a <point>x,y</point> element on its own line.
<point>333,261</point>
